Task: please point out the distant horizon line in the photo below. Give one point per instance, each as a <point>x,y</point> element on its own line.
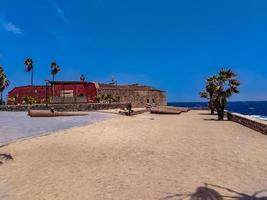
<point>207,101</point>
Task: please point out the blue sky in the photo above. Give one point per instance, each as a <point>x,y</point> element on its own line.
<point>169,44</point>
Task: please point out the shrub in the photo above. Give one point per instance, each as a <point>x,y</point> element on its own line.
<point>29,100</point>
<point>106,98</point>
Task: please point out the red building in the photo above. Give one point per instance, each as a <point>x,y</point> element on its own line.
<point>56,92</point>
<point>86,92</point>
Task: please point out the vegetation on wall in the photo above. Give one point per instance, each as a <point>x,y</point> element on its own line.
<point>29,100</point>
<point>12,100</point>
<point>107,98</point>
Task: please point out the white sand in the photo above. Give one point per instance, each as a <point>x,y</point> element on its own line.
<point>136,158</point>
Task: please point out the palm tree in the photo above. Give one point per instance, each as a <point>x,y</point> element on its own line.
<point>113,80</point>
<point>54,69</point>
<point>82,78</point>
<point>226,86</point>
<point>209,91</point>
<point>4,83</point>
<point>29,67</point>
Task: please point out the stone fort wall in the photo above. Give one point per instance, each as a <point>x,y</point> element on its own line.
<point>138,98</point>
<point>64,107</point>
<point>255,124</point>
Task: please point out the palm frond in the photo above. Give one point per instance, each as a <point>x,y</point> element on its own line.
<point>82,78</point>
<point>28,64</point>
<point>54,68</point>
<point>204,94</point>
<point>4,82</point>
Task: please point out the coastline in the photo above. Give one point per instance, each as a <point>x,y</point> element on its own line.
<point>255,109</point>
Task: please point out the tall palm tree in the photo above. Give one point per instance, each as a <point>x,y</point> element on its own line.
<point>209,91</point>
<point>82,78</point>
<point>4,83</point>
<point>226,86</point>
<point>54,69</point>
<point>29,67</point>
<point>113,80</point>
<point>218,89</point>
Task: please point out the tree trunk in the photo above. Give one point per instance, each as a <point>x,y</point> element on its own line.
<point>1,99</point>
<point>53,89</point>
<point>211,104</point>
<point>32,77</point>
<point>212,111</point>
<point>220,112</point>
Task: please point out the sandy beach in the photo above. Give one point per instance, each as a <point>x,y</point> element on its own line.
<point>141,157</point>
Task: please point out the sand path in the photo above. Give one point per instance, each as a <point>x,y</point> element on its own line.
<point>137,158</point>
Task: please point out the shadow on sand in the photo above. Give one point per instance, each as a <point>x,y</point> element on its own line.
<point>211,119</point>
<point>204,114</point>
<point>4,156</point>
<point>208,192</point>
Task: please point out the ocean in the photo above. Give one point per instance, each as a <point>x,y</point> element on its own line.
<point>256,109</point>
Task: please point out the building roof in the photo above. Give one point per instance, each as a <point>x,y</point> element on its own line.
<point>27,86</point>
<point>99,86</point>
<point>67,82</point>
<point>128,87</point>
<point>110,86</point>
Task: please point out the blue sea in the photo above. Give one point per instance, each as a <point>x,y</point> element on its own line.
<point>256,109</point>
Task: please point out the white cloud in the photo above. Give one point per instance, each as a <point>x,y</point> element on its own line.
<point>12,28</point>
<point>58,36</point>
<point>59,11</point>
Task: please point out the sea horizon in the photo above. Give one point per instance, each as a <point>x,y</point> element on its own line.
<point>255,109</point>
<point>207,102</point>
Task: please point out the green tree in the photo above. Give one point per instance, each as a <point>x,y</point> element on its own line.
<point>208,93</point>
<point>4,83</point>
<point>218,89</point>
<point>226,86</point>
<point>29,67</point>
<point>54,69</point>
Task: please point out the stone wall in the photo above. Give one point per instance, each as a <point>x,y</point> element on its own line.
<point>138,98</point>
<point>65,107</point>
<point>255,124</point>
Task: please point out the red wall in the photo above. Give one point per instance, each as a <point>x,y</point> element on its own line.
<point>39,92</point>
<point>83,88</point>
